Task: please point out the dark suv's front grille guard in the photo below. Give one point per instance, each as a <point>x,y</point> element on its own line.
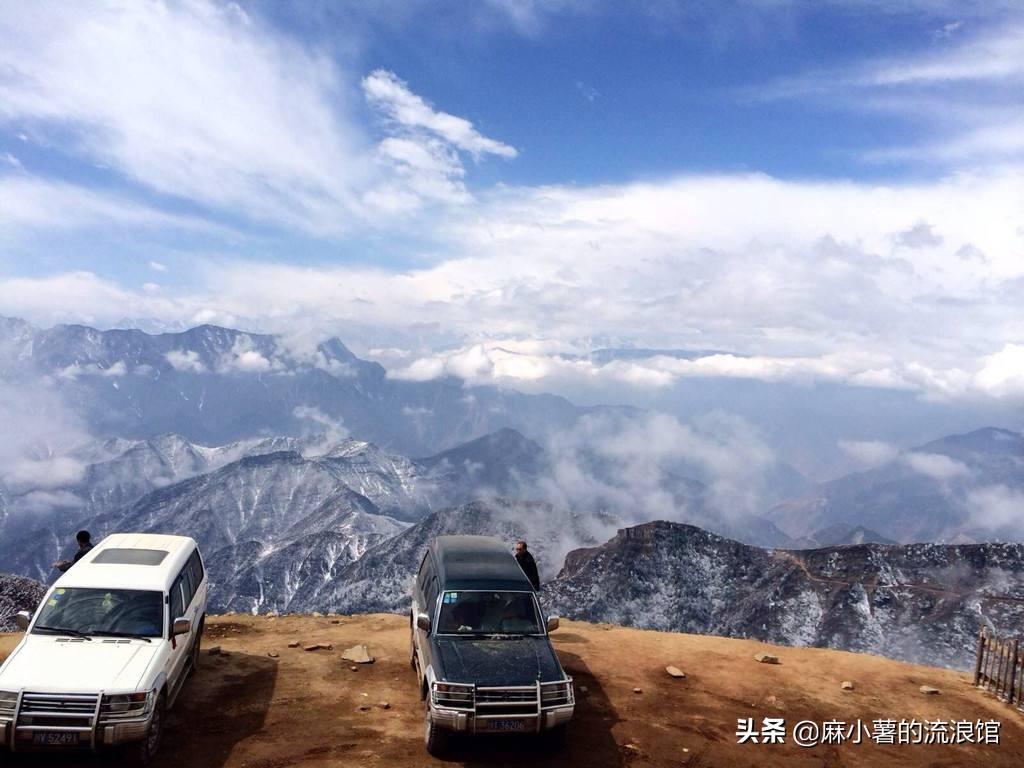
<point>504,702</point>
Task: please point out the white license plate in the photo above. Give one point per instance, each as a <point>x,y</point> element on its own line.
<point>55,739</point>
<point>507,725</point>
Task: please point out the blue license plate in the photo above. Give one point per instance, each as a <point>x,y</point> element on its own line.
<point>508,725</point>
<point>55,739</point>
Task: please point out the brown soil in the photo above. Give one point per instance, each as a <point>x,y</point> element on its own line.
<point>249,710</point>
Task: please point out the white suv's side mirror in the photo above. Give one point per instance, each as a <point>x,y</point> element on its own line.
<point>22,619</point>
<point>423,622</point>
<point>181,626</point>
<point>552,623</point>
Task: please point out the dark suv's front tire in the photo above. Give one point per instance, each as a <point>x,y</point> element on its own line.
<point>435,738</point>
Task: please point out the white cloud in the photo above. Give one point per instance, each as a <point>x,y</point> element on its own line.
<point>40,501</point>
<point>392,96</point>
<point>961,93</point>
<point>588,92</point>
<point>996,506</point>
<point>74,370</point>
<point>870,453</point>
<point>632,466</point>
<point>422,154</point>
<point>995,54</point>
<point>157,266</point>
<point>46,472</point>
<point>32,203</point>
<point>163,94</point>
<point>415,412</point>
<point>948,29</point>
<point>290,152</point>
<point>185,360</point>
<point>37,452</point>
<point>245,358</point>
<point>1002,374</point>
<point>332,430</point>
<point>251,361</point>
<point>809,285</point>
<point>936,465</point>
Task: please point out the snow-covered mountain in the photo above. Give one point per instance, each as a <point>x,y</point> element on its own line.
<point>264,502</point>
<point>217,385</point>
<point>962,488</point>
<point>291,574</point>
<point>921,602</point>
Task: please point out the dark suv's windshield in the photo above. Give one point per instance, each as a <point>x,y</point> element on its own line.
<point>113,612</point>
<point>491,613</point>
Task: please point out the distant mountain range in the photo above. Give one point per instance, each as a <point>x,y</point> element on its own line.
<point>217,385</point>
<point>273,514</point>
<point>961,488</point>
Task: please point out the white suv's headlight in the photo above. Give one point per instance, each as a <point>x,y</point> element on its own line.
<point>127,703</point>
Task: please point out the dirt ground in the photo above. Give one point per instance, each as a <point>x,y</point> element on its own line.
<point>247,709</point>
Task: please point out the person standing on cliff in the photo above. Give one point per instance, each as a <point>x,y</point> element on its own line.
<point>84,539</point>
<point>528,564</point>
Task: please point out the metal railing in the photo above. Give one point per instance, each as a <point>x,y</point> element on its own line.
<point>999,667</point>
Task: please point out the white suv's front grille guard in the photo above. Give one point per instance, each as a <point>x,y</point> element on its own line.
<point>60,707</point>
<point>486,702</point>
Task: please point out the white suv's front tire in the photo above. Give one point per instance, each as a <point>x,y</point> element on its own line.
<point>144,752</point>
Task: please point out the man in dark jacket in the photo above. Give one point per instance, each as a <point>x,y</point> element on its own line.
<point>84,539</point>
<point>528,564</point>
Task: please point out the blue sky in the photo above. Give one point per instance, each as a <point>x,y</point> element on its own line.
<point>487,188</point>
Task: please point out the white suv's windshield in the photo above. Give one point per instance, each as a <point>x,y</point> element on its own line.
<point>489,613</point>
<point>106,612</point>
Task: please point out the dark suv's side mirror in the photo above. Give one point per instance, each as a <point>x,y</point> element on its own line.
<point>423,622</point>
<point>552,623</point>
<point>22,619</point>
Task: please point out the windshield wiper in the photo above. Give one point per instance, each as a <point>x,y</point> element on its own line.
<point>62,631</point>
<point>131,635</point>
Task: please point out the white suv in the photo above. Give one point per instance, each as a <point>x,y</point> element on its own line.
<point>108,650</point>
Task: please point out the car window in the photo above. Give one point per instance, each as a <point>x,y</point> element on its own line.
<point>177,601</point>
<point>103,611</point>
<point>425,573</point>
<point>187,586</point>
<point>430,595</point>
<point>502,613</point>
<point>195,564</point>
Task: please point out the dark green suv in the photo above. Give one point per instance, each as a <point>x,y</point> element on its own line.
<point>481,652</point>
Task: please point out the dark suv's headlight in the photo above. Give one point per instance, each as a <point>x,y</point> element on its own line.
<point>559,693</point>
